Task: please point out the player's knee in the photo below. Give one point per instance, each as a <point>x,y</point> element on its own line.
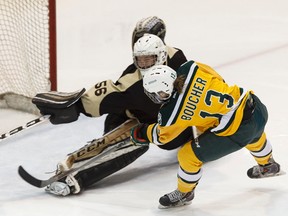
<point>187,158</point>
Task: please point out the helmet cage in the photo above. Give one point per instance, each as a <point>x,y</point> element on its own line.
<point>146,62</point>
<point>155,97</point>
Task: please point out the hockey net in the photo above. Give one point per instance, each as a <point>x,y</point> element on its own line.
<point>27,51</point>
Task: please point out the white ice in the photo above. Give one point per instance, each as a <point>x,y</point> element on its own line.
<point>246,41</point>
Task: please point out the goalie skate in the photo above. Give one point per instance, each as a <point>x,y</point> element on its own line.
<point>58,188</point>
<point>65,187</point>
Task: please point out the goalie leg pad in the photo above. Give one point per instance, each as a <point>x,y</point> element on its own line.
<point>100,171</point>
<point>73,183</point>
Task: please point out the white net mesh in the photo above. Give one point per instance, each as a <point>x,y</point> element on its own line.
<point>24,47</point>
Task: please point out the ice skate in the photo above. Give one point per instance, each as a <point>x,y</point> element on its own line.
<point>175,199</point>
<point>58,188</point>
<point>63,188</point>
<point>263,171</point>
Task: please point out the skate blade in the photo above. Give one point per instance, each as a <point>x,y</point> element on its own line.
<point>280,173</point>
<point>175,205</point>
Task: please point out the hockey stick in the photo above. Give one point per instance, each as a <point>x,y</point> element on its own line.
<point>56,99</point>
<point>43,183</point>
<point>23,127</point>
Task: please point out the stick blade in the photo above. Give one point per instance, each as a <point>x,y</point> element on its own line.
<point>29,178</point>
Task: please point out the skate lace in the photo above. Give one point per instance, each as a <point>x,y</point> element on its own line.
<point>175,196</point>
<point>268,169</point>
<point>51,172</point>
<point>59,169</point>
<point>256,170</point>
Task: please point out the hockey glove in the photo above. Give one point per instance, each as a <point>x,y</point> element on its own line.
<point>138,135</point>
<point>60,116</point>
<point>63,107</point>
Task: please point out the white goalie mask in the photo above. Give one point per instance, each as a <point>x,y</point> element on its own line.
<point>149,50</point>
<point>158,83</point>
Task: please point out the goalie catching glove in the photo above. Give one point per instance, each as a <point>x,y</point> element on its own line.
<point>63,107</point>
<point>138,135</point>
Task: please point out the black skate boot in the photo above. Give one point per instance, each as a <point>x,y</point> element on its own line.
<point>263,171</point>
<point>176,198</point>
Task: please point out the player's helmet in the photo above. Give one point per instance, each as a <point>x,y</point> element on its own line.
<point>152,25</point>
<point>158,83</point>
<point>150,45</point>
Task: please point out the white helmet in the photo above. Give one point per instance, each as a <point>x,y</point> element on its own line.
<point>158,83</point>
<point>150,45</point>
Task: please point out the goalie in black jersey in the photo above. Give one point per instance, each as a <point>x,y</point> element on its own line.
<point>121,100</point>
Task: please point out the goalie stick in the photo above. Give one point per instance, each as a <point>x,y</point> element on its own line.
<point>23,127</point>
<point>43,183</point>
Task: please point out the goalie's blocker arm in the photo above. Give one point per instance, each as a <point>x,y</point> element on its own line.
<point>63,107</point>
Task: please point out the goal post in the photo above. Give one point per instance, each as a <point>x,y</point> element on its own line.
<point>52,44</point>
<point>27,51</point>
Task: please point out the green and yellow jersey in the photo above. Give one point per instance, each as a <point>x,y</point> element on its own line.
<point>206,102</point>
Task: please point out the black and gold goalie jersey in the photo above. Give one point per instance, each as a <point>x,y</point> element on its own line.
<point>206,102</point>
<point>126,95</point>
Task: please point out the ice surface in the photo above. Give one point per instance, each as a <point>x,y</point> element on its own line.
<point>246,41</point>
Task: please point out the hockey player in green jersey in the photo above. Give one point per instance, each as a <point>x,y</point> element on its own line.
<point>229,118</point>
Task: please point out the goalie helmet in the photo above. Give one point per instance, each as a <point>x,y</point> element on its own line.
<point>158,83</point>
<point>149,45</point>
<point>152,25</point>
